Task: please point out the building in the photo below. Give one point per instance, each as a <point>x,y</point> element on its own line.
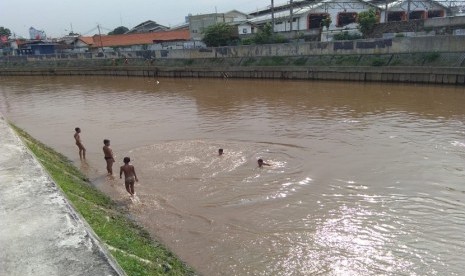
<point>132,42</point>
<point>309,15</point>
<point>147,27</point>
<point>34,47</point>
<point>198,23</point>
<point>403,10</point>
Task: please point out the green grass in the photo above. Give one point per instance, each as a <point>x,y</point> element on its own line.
<point>347,60</point>
<point>431,57</point>
<point>249,61</point>
<point>300,61</point>
<point>133,248</point>
<point>272,61</point>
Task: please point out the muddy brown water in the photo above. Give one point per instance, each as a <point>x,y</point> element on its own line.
<point>365,178</point>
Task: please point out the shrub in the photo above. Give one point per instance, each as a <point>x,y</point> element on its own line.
<point>346,36</point>
<point>367,21</point>
<point>430,57</point>
<point>378,62</point>
<point>220,34</point>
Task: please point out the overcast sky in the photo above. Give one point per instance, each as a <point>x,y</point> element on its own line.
<point>56,17</point>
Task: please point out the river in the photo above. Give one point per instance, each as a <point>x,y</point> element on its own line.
<point>365,178</point>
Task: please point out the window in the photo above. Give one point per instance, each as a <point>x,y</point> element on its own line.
<point>397,16</point>
<point>435,13</point>
<point>315,20</point>
<point>346,18</point>
<point>417,15</point>
<point>244,30</point>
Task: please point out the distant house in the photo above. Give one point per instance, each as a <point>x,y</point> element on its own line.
<point>198,23</point>
<point>246,28</point>
<point>35,47</point>
<point>133,42</point>
<point>148,26</point>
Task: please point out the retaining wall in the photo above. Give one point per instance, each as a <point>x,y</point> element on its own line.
<point>392,74</point>
<point>447,43</point>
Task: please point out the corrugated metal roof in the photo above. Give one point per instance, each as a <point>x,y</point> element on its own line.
<point>298,11</point>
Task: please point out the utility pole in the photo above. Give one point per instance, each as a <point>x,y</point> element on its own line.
<point>292,14</point>
<point>408,10</point>
<point>100,37</point>
<point>272,14</point>
<point>386,12</point>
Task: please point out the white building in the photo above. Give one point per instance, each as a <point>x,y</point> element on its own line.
<point>343,15</point>
<point>198,23</point>
<point>309,15</point>
<point>418,9</point>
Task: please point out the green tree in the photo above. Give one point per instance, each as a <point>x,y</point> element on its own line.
<point>326,22</point>
<point>5,31</point>
<point>266,36</point>
<point>119,30</point>
<point>367,21</point>
<point>220,34</point>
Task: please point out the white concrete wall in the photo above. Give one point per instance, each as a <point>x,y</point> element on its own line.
<point>244,29</point>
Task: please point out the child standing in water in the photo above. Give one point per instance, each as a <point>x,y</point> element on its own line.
<point>129,176</point>
<point>82,149</point>
<point>108,155</point>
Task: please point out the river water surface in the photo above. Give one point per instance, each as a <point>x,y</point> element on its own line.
<point>365,179</point>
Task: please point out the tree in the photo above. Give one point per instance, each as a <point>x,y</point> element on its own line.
<point>5,32</point>
<point>367,21</point>
<point>220,34</point>
<point>266,36</point>
<point>326,22</point>
<point>119,30</point>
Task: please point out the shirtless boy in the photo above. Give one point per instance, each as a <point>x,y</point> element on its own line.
<point>129,175</point>
<point>108,155</point>
<point>261,163</point>
<point>82,149</point>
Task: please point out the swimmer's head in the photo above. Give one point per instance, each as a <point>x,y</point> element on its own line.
<point>106,142</point>
<point>77,130</point>
<point>126,160</point>
<point>260,162</point>
<point>220,152</point>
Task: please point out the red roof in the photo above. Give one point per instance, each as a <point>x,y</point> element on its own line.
<point>135,39</point>
<point>87,40</point>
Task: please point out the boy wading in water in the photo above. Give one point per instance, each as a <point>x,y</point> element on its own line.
<point>129,175</point>
<point>109,158</point>
<point>82,149</point>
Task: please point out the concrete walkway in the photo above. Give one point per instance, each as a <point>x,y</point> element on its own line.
<point>40,234</point>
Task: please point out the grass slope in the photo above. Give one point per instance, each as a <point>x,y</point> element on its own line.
<point>131,245</point>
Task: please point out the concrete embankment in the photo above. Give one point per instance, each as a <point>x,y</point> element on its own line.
<point>429,75</point>
<point>40,232</point>
<point>432,59</point>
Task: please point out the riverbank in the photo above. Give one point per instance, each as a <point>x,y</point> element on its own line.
<point>429,59</point>
<point>133,248</point>
<point>427,75</point>
<point>429,68</point>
